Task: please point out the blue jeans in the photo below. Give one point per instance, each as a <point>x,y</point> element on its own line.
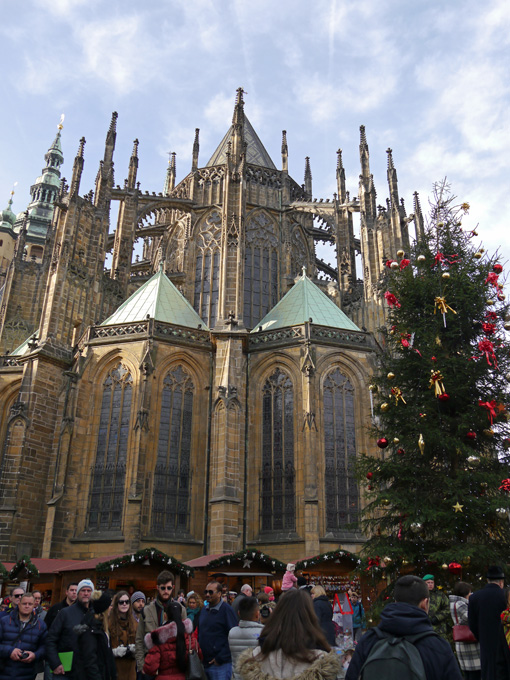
<point>223,672</point>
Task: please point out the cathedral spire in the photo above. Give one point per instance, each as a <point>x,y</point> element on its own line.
<point>238,146</point>
<point>196,149</point>
<point>308,177</point>
<point>133,166</point>
<point>238,117</point>
<point>104,178</point>
<point>364,154</point>
<point>340,177</point>
<point>77,169</point>
<point>170,174</point>
<point>392,180</point>
<point>418,218</point>
<point>285,152</point>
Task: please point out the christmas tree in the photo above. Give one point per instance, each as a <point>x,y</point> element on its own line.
<point>437,495</point>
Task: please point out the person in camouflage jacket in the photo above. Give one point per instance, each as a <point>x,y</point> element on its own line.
<point>439,610</point>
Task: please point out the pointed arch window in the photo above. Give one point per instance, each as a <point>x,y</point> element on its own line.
<point>260,269</point>
<point>342,494</point>
<point>207,270</point>
<point>109,471</point>
<point>278,473</point>
<point>172,476</point>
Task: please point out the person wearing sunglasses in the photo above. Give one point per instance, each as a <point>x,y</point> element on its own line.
<point>154,616</point>
<point>14,600</point>
<point>122,627</point>
<point>214,625</point>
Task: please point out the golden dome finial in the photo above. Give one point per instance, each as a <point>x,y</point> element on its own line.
<point>61,124</point>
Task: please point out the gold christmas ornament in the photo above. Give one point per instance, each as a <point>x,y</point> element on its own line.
<point>473,461</point>
<point>385,407</point>
<point>390,376</point>
<point>490,303</point>
<point>373,388</point>
<point>502,513</point>
<point>440,224</point>
<point>421,259</point>
<point>445,275</point>
<point>477,255</point>
<point>387,560</point>
<point>444,567</point>
<point>421,443</point>
<point>385,502</point>
<point>396,440</point>
<point>489,433</point>
<point>482,250</point>
<point>506,325</point>
<point>466,561</point>
<point>394,265</point>
<point>400,253</point>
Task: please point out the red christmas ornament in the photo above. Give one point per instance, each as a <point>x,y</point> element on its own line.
<point>388,263</point>
<point>391,299</point>
<point>404,263</point>
<point>471,435</point>
<point>400,452</point>
<point>382,443</point>
<point>498,268</point>
<point>489,328</point>
<point>492,279</point>
<point>444,397</point>
<point>370,475</point>
<point>455,568</point>
<point>505,485</point>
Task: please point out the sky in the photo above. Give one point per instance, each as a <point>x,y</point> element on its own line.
<point>427,78</point>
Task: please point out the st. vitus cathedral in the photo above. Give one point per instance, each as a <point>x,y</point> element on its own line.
<point>209,395</point>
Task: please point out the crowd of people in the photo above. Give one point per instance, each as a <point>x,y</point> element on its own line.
<point>94,635</point>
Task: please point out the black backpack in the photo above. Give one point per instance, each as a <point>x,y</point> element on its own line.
<point>394,657</point>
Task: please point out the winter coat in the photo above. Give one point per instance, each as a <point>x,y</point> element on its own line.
<point>289,580</point>
<point>324,612</point>
<point>213,629</point>
<point>468,653</point>
<point>399,619</point>
<point>502,657</point>
<point>125,665</point>
<point>52,612</point>
<point>31,639</point>
<point>61,636</point>
<point>94,659</point>
<point>245,635</point>
<point>358,616</point>
<point>485,607</point>
<point>161,659</point>
<point>276,666</point>
<point>439,614</point>
<point>152,617</point>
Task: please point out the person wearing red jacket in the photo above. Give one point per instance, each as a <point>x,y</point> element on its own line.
<point>169,646</point>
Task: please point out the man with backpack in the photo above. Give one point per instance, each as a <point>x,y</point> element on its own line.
<point>404,644</point>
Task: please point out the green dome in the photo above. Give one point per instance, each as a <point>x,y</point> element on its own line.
<point>7,216</point>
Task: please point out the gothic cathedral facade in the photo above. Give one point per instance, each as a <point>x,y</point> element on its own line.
<point>208,394</point>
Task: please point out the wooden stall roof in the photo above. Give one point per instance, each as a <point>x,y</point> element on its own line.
<point>85,565</point>
<point>46,565</point>
<point>204,560</point>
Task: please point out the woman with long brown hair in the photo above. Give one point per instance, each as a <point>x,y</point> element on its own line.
<point>122,627</point>
<point>292,644</point>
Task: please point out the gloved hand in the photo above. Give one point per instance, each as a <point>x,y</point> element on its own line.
<point>119,651</point>
<point>131,648</point>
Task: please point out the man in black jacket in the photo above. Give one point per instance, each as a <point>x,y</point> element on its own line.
<point>68,600</point>
<point>485,607</point>
<point>408,616</point>
<point>62,637</point>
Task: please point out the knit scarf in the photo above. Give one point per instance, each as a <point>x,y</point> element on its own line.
<point>505,620</point>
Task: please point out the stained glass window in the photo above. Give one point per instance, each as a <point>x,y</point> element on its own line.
<point>207,270</point>
<point>172,476</point>
<point>278,474</point>
<point>260,269</point>
<point>342,496</point>
<point>109,471</point>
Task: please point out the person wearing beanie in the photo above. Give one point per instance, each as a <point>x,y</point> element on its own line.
<point>289,579</point>
<point>439,610</point>
<point>62,635</point>
<point>138,601</point>
<point>94,658</point>
<point>484,611</point>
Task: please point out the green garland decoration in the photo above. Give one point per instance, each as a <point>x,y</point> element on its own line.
<point>146,554</point>
<point>248,554</point>
<point>325,557</point>
<point>23,564</point>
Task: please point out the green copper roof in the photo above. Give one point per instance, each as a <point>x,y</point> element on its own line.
<point>158,299</point>
<point>256,154</point>
<point>305,301</point>
<point>7,217</point>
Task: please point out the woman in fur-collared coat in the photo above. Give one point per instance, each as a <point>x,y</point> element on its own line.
<point>169,646</point>
<point>292,645</point>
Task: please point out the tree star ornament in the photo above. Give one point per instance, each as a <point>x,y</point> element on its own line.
<point>457,507</point>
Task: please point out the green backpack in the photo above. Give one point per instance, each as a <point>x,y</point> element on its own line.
<point>393,658</point>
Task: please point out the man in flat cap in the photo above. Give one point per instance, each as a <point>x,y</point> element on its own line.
<point>484,609</point>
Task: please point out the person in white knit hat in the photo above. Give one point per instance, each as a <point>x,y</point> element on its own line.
<point>61,637</point>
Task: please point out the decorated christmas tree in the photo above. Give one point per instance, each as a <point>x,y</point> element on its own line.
<point>437,495</point>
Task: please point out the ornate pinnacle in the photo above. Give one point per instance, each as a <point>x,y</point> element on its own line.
<point>113,123</point>
<point>80,148</point>
<point>284,142</point>
<point>363,138</point>
<point>339,163</point>
<point>135,149</point>
<point>390,159</point>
